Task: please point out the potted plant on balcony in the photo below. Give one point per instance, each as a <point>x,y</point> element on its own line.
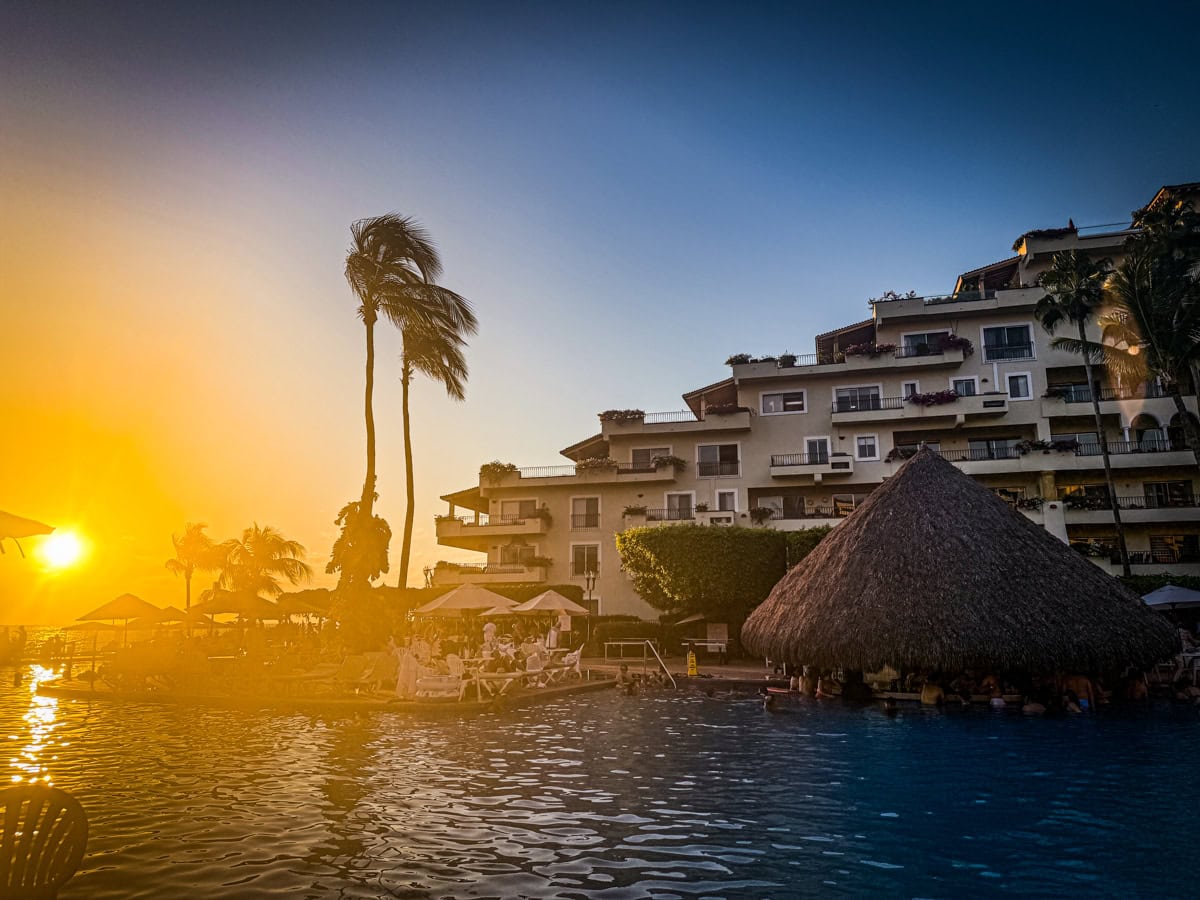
<point>493,472</point>
<point>936,398</point>
<point>954,342</point>
<point>675,462</point>
<point>543,513</point>
<point>701,507</point>
<point>787,360</point>
<point>538,562</point>
<point>596,462</point>
<point>738,359</point>
<point>634,510</point>
<point>759,515</point>
<point>622,415</point>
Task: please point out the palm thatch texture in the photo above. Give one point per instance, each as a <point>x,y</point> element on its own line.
<point>935,572</point>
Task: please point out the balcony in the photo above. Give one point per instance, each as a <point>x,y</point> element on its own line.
<point>1006,460</point>
<point>889,409</point>
<point>1007,352</point>
<point>474,534</point>
<point>453,575</point>
<point>1098,510</point>
<point>1076,400</point>
<point>812,364</point>
<point>715,419</point>
<point>549,476</point>
<point>814,465</point>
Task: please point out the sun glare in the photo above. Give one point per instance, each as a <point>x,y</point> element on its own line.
<point>61,550</point>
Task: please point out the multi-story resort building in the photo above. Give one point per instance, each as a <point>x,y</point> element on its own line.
<point>799,441</point>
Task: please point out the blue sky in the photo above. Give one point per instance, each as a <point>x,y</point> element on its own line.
<point>628,192</point>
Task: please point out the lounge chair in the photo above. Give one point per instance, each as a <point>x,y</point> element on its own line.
<point>43,834</point>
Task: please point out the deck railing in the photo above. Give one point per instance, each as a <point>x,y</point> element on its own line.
<point>670,515</point>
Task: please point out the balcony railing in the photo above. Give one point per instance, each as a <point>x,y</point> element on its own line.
<point>1155,557</point>
<point>1081,393</point>
<point>572,471</point>
<point>1118,448</point>
<point>799,459</point>
<point>470,521</point>
<point>1102,503</point>
<point>909,352</point>
<point>995,352</point>
<point>713,469</point>
<point>979,454</point>
<point>482,568</point>
<point>585,520</point>
<point>670,515</point>
<point>661,418</point>
<point>868,403</point>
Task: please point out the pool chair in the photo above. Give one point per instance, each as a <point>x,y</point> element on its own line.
<point>380,673</point>
<point>43,833</point>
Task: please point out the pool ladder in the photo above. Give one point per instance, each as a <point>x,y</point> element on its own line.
<point>654,650</point>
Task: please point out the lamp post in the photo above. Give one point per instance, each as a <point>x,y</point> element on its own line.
<point>589,580</point>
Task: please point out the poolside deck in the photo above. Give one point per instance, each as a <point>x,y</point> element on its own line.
<point>334,704</point>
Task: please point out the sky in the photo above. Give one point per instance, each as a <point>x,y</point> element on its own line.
<point>627,192</point>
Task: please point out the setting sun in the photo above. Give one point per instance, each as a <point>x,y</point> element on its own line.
<point>61,550</point>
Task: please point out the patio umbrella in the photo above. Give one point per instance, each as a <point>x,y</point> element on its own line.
<point>550,602</point>
<point>465,599</point>
<point>241,603</point>
<point>1173,596</point>
<point>18,527</point>
<point>934,571</point>
<point>126,607</point>
<point>314,601</point>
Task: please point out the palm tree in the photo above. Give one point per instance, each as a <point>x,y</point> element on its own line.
<point>437,353</point>
<point>391,268</point>
<point>255,562</point>
<point>1074,294</point>
<point>193,550</point>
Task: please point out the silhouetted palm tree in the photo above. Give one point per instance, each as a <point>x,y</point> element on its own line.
<point>391,267</point>
<point>257,561</point>
<point>437,353</point>
<point>194,550</point>
<point>1074,294</point>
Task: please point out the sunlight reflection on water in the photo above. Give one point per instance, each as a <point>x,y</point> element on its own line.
<point>663,795</point>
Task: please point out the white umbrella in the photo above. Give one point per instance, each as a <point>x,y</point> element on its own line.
<point>464,599</point>
<point>1172,595</point>
<point>550,602</point>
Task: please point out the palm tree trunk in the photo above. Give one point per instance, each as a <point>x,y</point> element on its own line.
<point>410,511</point>
<point>368,494</point>
<point>187,598</point>
<point>1190,433</point>
<point>1108,476</point>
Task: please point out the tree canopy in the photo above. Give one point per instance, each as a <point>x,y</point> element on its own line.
<point>716,571</point>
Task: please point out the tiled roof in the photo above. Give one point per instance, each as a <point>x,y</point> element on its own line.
<point>861,324</point>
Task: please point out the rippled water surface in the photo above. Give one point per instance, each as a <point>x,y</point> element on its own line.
<point>662,795</point>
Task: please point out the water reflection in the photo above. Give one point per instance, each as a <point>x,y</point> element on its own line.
<point>40,718</point>
<point>604,796</point>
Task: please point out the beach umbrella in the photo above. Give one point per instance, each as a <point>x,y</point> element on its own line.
<point>550,602</point>
<point>497,612</point>
<point>126,607</point>
<point>934,571</point>
<point>1173,596</point>
<point>18,527</point>
<point>241,603</point>
<point>465,599</point>
<point>314,601</point>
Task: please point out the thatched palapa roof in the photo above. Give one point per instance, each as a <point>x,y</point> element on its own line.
<point>934,571</point>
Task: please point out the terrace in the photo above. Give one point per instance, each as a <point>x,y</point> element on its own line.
<point>1040,456</point>
<point>814,465</point>
<point>945,404</point>
<point>474,532</point>
<point>454,574</point>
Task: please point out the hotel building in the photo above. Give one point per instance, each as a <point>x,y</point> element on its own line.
<point>796,442</point>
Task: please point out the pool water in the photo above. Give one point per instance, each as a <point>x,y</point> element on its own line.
<point>669,794</point>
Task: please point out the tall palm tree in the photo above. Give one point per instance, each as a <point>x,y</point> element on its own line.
<point>193,550</point>
<point>391,267</point>
<point>437,353</point>
<point>255,562</point>
<point>1074,287</point>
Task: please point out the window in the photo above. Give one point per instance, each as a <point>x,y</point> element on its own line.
<point>909,388</point>
<point>1019,386</point>
<point>992,448</point>
<point>727,501</point>
<point>642,457</point>
<point>718,459</point>
<point>817,450</point>
<point>850,399</point>
<point>1169,493</point>
<point>1175,548</point>
<point>585,512</point>
<point>789,402</point>
<point>515,510</point>
<point>584,558</point>
<point>924,344</point>
<point>1007,342</point>
<point>866,446</point>
<point>678,508</point>
<point>517,555</point>
<point>964,387</point>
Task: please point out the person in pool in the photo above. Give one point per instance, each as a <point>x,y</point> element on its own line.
<point>626,682</point>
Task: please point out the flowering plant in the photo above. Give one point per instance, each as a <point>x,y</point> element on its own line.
<point>870,348</point>
<point>937,398</point>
